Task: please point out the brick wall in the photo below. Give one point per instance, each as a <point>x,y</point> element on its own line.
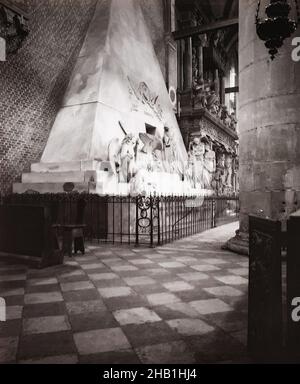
<point>33,81</point>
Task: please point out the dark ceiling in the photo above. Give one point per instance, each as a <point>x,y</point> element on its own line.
<point>219,9</point>
<point>211,11</point>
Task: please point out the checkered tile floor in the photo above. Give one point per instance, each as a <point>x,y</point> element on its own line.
<point>182,303</point>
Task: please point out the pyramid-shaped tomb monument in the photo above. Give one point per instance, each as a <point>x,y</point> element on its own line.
<point>116,131</point>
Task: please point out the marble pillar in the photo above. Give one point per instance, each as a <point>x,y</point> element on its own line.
<point>269,128</point>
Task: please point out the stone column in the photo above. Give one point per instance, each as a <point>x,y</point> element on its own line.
<point>2,49</point>
<point>188,64</point>
<point>200,59</point>
<point>222,89</point>
<point>171,54</point>
<point>235,175</point>
<point>269,126</point>
<point>181,64</point>
<point>217,81</point>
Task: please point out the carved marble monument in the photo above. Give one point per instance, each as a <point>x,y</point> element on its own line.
<point>116,132</point>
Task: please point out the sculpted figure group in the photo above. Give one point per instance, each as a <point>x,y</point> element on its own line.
<point>208,169</point>
<point>134,159</point>
<point>202,161</point>
<point>205,97</point>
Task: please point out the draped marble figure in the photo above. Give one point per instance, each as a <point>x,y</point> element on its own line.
<point>209,166</point>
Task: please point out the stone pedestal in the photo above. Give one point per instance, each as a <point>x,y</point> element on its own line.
<point>269,128</point>
<point>97,177</point>
<point>80,176</point>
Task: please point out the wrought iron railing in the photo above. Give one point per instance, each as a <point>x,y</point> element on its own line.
<point>136,220</point>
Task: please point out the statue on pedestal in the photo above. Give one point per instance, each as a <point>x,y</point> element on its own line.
<point>218,180</point>
<point>209,166</point>
<point>228,173</point>
<point>196,158</point>
<point>169,151</point>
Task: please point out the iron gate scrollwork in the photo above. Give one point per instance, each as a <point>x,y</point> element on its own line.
<point>147,219</point>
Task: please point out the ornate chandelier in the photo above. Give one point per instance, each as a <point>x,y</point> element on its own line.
<point>13,27</point>
<point>277,26</point>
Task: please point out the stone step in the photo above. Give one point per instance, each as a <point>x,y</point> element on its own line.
<point>71,166</point>
<point>53,177</point>
<point>52,187</point>
<point>62,167</point>
<point>100,188</point>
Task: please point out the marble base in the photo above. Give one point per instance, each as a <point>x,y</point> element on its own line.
<point>238,244</point>
<point>48,188</point>
<point>77,176</point>
<point>97,177</point>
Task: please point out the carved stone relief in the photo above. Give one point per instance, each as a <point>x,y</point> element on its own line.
<point>141,95</point>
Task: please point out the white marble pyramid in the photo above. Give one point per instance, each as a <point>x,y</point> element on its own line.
<point>116,88</point>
